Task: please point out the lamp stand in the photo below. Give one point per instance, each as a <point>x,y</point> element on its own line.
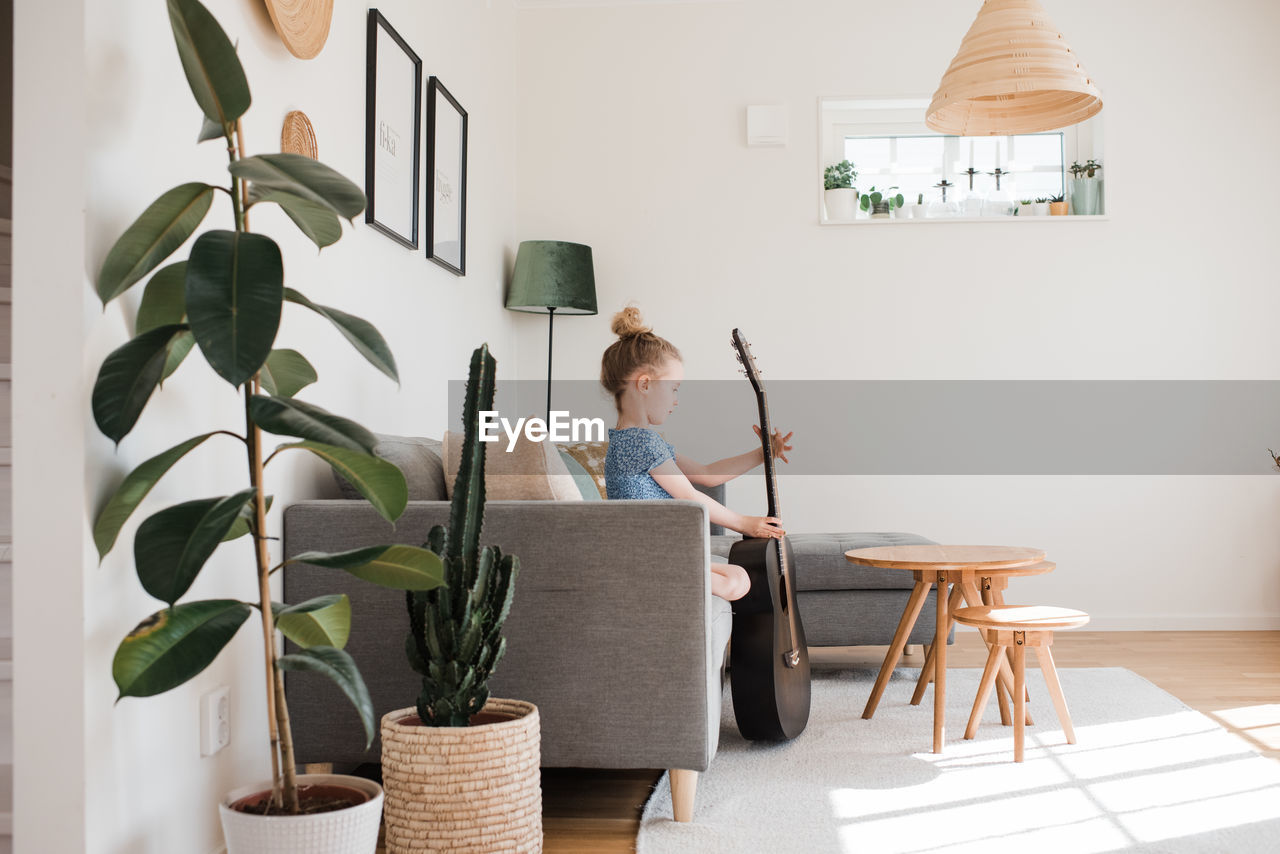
<point>551,319</point>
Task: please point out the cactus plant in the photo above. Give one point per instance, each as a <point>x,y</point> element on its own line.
<point>455,632</point>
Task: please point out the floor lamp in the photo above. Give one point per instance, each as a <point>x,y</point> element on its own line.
<point>551,276</point>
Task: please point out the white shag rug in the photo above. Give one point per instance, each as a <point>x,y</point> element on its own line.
<point>1147,773</point>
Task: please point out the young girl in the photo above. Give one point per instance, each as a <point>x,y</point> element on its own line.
<point>643,373</point>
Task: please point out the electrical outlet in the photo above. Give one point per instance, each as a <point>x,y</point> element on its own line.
<point>215,720</point>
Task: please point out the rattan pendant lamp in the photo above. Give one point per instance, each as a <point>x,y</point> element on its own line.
<point>1014,73</point>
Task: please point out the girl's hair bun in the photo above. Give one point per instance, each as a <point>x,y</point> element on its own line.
<point>628,323</point>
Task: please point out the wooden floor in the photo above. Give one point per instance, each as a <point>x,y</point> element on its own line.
<point>1234,677</point>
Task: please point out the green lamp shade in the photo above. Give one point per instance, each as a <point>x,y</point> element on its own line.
<point>553,274</point>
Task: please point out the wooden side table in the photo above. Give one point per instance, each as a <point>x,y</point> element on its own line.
<point>962,566</point>
<point>1013,629</point>
<point>991,588</point>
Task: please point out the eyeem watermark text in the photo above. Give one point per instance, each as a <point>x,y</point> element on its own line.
<point>561,428</point>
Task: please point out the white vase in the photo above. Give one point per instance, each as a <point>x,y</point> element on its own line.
<point>348,831</point>
<point>842,204</point>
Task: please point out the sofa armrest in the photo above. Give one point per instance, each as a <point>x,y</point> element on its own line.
<point>609,634</point>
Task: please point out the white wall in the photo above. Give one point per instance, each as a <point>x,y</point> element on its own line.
<point>633,127</point>
<point>105,123</point>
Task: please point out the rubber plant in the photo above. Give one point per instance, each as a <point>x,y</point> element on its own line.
<point>455,632</point>
<point>226,299</point>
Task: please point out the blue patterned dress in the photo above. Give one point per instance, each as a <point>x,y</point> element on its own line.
<point>633,453</point>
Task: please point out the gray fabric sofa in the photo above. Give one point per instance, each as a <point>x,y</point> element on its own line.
<point>614,633</point>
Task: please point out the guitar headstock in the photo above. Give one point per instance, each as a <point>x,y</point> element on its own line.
<point>742,351</point>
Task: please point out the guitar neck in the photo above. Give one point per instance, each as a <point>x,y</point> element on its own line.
<point>766,440</point>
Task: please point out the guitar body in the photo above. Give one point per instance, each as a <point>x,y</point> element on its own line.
<point>768,659</point>
<point>770,698</point>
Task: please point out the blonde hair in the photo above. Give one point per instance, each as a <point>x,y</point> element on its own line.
<point>637,348</point>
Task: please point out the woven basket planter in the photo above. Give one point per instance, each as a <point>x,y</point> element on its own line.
<point>463,789</point>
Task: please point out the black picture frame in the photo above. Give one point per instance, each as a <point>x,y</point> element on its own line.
<point>447,186</point>
<point>391,183</point>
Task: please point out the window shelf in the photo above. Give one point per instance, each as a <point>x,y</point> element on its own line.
<point>942,219</point>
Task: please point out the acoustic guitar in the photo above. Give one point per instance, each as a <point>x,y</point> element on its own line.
<point>768,660</point>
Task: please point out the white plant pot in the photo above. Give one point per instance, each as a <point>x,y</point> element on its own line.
<point>903,212</point>
<point>919,211</point>
<point>349,831</point>
<point>1039,208</point>
<point>842,204</point>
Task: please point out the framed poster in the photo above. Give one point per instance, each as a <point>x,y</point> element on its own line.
<point>393,118</point>
<point>447,179</point>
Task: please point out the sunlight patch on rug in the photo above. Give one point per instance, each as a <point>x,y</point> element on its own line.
<point>1147,773</point>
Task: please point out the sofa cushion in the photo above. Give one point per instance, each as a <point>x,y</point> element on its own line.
<point>530,471</point>
<point>821,564</point>
<point>420,459</point>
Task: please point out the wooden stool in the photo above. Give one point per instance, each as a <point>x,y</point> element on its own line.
<point>1013,628</point>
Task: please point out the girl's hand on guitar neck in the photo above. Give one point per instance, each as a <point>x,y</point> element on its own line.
<point>761,526</point>
<point>780,443</point>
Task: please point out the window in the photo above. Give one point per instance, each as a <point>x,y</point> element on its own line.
<point>890,146</point>
<point>1031,166</point>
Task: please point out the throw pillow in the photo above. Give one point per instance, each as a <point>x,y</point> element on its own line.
<point>530,471</point>
<point>591,455</point>
<point>420,459</point>
<point>581,477</point>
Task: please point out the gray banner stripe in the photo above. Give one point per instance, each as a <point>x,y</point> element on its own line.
<point>1170,427</point>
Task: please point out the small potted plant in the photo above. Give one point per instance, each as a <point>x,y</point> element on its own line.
<point>1058,205</point>
<point>458,743</point>
<point>1024,207</point>
<point>879,203</point>
<point>838,193</point>
<point>225,301</point>
<point>919,210</point>
<point>1086,188</point>
<point>1040,207</point>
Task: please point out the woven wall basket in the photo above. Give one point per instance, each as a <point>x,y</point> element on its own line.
<point>1014,73</point>
<point>463,789</point>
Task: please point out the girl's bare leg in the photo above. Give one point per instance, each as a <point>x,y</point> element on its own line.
<point>729,581</point>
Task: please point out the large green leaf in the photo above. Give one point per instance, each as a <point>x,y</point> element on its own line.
<point>360,332</point>
<point>153,237</point>
<point>209,129</point>
<point>286,372</point>
<point>235,287</point>
<point>323,621</point>
<point>317,221</point>
<point>172,546</point>
<point>286,416</point>
<point>174,644</point>
<point>179,347</point>
<point>397,567</point>
<point>164,300</point>
<point>303,177</point>
<point>341,668</point>
<point>131,492</point>
<point>377,480</point>
<point>244,521</point>
<point>213,70</point>
<point>127,378</point>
